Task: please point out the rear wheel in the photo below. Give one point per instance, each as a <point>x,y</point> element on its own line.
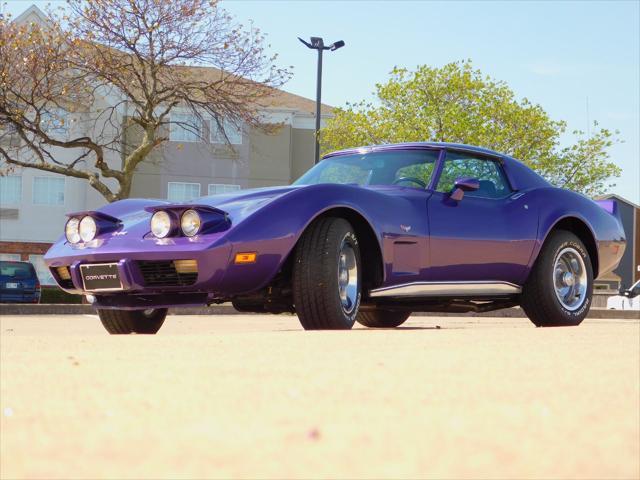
<point>559,288</point>
<point>382,318</point>
<point>327,275</point>
<point>119,322</point>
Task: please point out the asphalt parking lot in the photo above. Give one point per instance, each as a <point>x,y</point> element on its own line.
<point>255,396</point>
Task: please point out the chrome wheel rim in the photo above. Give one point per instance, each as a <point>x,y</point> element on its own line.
<point>347,277</point>
<point>570,279</point>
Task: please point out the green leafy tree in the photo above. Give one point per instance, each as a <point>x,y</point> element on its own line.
<point>457,103</point>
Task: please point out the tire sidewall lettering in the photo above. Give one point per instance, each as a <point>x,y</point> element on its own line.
<point>580,312</point>
<point>352,317</point>
<point>351,238</point>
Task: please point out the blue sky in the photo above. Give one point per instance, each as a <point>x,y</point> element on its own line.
<point>557,54</point>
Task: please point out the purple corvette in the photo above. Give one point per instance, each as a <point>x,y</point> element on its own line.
<point>367,235</point>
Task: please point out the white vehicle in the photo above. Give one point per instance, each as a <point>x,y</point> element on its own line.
<point>627,300</point>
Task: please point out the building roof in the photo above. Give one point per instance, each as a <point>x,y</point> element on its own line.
<point>280,99</point>
<point>31,14</point>
<point>283,99</point>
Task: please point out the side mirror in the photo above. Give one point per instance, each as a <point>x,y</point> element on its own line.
<point>464,184</point>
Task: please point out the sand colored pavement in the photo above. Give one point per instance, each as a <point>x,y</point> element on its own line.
<point>257,397</point>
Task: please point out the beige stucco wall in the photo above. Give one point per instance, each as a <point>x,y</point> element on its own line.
<point>263,159</point>
<point>302,151</point>
<point>270,158</point>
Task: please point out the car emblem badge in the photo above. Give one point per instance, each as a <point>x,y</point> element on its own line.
<point>405,228</point>
<point>116,234</point>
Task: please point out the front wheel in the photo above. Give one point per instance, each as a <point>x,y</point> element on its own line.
<point>327,275</point>
<point>559,288</point>
<point>122,322</point>
<point>382,318</point>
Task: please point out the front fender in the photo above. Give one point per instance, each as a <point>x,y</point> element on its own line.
<point>274,229</point>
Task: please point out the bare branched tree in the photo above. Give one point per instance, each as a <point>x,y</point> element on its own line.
<point>71,88</point>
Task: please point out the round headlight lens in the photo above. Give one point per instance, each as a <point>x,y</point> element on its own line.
<point>190,223</point>
<point>88,229</point>
<point>71,230</point>
<point>160,224</point>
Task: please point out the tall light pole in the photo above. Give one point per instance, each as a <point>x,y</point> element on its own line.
<point>318,44</point>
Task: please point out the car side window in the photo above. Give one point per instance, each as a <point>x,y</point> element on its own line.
<point>344,173</point>
<point>493,182</point>
<point>421,171</point>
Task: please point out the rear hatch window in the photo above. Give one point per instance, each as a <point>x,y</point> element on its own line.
<point>22,273</point>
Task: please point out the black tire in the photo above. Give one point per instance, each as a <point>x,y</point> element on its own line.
<point>539,299</point>
<point>122,322</point>
<point>315,275</point>
<point>382,318</point>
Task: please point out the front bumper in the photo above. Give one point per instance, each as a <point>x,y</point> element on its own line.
<point>211,266</point>
<point>218,277</point>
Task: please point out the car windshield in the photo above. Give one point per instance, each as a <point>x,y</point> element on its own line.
<point>16,270</point>
<point>409,168</point>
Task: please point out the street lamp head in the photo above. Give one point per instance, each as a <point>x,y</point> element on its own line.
<point>305,42</point>
<point>317,42</point>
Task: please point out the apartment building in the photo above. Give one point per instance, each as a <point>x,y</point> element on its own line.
<point>33,203</point>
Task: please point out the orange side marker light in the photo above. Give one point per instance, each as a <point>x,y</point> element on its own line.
<point>246,257</point>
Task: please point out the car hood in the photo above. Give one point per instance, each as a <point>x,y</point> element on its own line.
<point>242,203</point>
<point>239,205</point>
<point>134,214</point>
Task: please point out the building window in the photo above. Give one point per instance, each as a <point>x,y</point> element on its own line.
<point>42,271</point>
<point>185,128</point>
<point>182,192</point>
<point>48,191</point>
<point>10,190</point>
<point>55,122</point>
<point>233,131</point>
<point>215,188</point>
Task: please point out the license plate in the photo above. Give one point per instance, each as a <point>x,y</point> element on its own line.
<point>103,276</point>
<point>11,285</point>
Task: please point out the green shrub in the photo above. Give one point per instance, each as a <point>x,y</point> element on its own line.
<point>57,295</point>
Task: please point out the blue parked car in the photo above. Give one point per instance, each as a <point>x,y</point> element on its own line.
<point>18,283</point>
